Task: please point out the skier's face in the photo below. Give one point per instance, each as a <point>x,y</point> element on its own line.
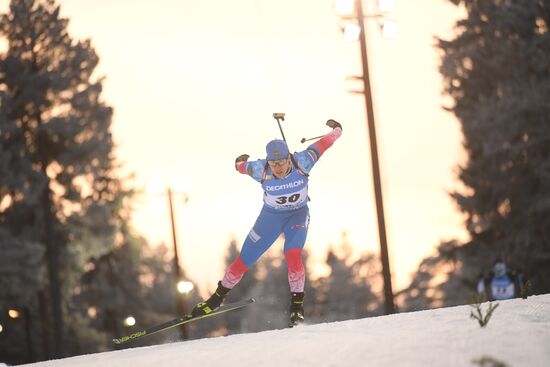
<point>499,269</point>
<point>280,167</point>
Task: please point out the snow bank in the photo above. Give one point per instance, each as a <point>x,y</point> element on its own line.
<point>518,334</point>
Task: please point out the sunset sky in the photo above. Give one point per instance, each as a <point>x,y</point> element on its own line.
<point>194,84</point>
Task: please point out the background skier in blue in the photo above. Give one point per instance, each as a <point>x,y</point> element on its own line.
<point>501,283</point>
<point>284,179</point>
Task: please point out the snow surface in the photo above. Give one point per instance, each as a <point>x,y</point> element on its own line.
<point>518,334</point>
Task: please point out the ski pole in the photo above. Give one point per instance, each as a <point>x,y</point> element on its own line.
<point>304,139</point>
<point>330,123</point>
<point>280,116</point>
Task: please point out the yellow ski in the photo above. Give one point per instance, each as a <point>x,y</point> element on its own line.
<point>182,320</point>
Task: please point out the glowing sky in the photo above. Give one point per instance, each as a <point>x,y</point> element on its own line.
<point>194,84</point>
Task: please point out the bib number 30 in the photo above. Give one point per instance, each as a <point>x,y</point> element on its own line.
<point>290,199</point>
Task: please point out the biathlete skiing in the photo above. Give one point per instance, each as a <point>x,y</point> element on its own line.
<point>284,180</point>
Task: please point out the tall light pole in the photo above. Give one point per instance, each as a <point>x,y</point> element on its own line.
<point>389,305</point>
<point>180,301</point>
<point>181,287</point>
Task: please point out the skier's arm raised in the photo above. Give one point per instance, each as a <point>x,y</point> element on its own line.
<point>240,163</point>
<point>307,158</point>
<point>321,145</point>
<point>253,169</point>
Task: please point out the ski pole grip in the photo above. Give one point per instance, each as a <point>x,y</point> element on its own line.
<point>279,116</point>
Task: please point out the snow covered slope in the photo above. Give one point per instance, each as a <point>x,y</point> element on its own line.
<point>518,334</point>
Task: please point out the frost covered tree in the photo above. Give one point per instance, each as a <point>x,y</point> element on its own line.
<point>497,72</point>
<point>349,291</point>
<point>133,279</point>
<point>443,279</point>
<point>58,188</point>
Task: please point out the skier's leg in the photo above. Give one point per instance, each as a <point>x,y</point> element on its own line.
<point>295,237</point>
<point>296,280</point>
<point>265,231</point>
<point>295,231</point>
<point>234,273</point>
<point>296,272</point>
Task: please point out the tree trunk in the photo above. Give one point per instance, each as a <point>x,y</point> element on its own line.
<point>45,325</point>
<point>52,258</point>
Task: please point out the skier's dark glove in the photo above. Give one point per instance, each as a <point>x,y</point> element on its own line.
<point>334,124</point>
<point>241,158</point>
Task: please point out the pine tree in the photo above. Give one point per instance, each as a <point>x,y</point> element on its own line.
<point>58,187</point>
<point>348,292</point>
<point>134,279</point>
<point>497,72</point>
<point>443,279</point>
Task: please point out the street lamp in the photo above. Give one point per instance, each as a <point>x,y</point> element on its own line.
<point>129,321</point>
<point>181,187</point>
<point>359,20</point>
<point>184,287</point>
<point>14,313</point>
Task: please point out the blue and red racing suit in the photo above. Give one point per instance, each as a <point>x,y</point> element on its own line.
<point>285,211</point>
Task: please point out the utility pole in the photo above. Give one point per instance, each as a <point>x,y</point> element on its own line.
<point>180,306</point>
<point>388,292</point>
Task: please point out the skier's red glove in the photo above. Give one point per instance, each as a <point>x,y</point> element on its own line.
<point>241,158</point>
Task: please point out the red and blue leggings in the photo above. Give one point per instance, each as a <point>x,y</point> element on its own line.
<point>269,225</point>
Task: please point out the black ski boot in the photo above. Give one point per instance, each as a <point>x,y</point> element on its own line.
<point>211,303</point>
<point>296,309</point>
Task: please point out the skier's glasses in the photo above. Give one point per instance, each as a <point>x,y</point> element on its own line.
<point>278,162</point>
